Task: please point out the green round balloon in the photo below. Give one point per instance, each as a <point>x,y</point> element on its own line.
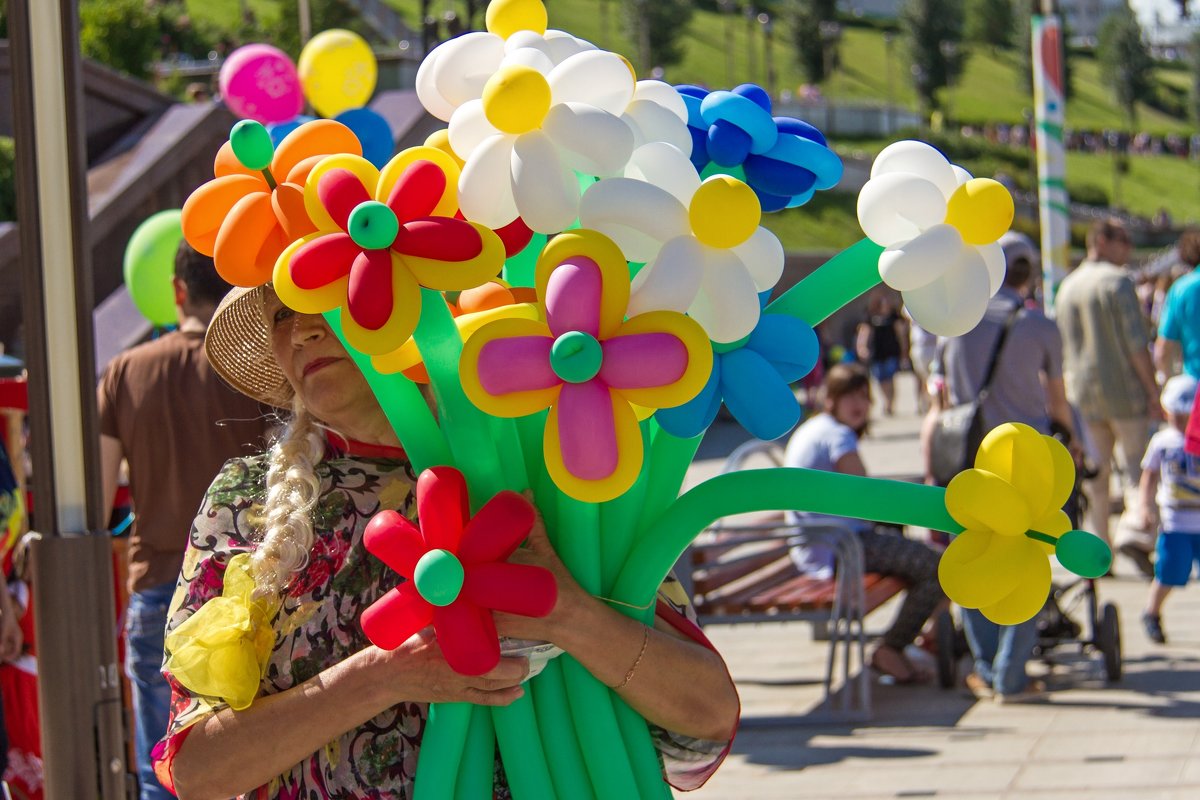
<point>252,144</point>
<point>150,266</point>
<point>439,577</point>
<point>576,357</point>
<point>1083,553</point>
<point>372,225</point>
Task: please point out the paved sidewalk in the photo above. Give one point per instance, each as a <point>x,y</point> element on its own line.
<point>1139,738</point>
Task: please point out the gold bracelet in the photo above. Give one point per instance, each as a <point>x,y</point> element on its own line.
<point>638,660</point>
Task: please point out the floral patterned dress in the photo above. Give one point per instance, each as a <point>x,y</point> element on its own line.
<point>318,626</point>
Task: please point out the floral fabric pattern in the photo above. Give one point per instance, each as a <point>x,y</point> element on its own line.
<point>318,626</point>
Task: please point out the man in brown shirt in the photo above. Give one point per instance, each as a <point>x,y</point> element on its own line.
<point>166,412</point>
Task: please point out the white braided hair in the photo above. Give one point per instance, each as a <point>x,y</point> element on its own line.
<point>292,492</point>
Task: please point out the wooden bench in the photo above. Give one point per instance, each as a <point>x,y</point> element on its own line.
<point>743,573</point>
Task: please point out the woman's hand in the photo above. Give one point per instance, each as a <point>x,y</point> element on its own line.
<point>416,671</point>
<point>11,638</point>
<point>571,599</point>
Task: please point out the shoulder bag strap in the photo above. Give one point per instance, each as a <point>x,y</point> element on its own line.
<point>991,369</point>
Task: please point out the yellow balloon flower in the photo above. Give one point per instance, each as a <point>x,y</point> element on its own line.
<point>222,650</point>
<point>1010,506</point>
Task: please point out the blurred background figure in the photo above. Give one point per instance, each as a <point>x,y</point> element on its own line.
<point>878,343</point>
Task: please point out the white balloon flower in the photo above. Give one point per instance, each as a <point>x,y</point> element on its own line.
<point>939,228</point>
<point>704,251</point>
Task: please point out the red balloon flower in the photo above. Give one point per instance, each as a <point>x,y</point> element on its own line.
<point>456,571</point>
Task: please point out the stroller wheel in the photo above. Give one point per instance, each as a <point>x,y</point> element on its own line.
<point>1108,641</point>
<point>947,650</point>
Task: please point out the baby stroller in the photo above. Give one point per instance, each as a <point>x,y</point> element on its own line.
<point>1057,627</point>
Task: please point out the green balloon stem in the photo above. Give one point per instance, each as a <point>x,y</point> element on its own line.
<point>576,357</point>
<point>372,225</point>
<point>269,178</point>
<point>439,577</point>
<point>834,284</point>
<point>252,145</point>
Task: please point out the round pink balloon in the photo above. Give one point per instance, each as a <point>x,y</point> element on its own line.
<point>259,82</point>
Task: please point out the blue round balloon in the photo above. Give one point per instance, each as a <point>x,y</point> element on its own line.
<point>279,130</point>
<point>800,128</point>
<point>756,93</point>
<point>373,132</point>
<point>728,145</point>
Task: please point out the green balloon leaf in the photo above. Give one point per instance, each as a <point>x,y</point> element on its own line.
<point>373,226</point>
<point>439,577</point>
<point>252,144</point>
<point>576,357</point>
<point>1083,553</point>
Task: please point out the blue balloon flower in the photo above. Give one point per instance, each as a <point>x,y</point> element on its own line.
<point>277,131</point>
<point>752,377</point>
<point>783,159</point>
<point>373,132</point>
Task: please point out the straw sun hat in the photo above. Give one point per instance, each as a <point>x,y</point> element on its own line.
<point>238,345</point>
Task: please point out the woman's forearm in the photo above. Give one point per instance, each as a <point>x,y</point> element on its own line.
<point>677,684</point>
<point>233,752</point>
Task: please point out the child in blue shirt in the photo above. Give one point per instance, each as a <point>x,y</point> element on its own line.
<point>1176,477</point>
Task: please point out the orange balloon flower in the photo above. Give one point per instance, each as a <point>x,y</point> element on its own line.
<point>244,218</point>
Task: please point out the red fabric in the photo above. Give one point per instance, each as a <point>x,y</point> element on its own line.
<point>350,447</point>
<point>18,687</point>
<point>1192,433</point>
<point>692,631</point>
<point>14,393</point>
<point>163,755</point>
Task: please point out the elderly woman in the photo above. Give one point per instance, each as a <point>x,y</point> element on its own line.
<point>335,716</point>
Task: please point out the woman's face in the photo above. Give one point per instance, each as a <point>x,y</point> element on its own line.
<point>853,410</point>
<point>324,376</point>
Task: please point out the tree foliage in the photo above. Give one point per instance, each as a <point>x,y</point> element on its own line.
<point>1125,61</point>
<point>323,15</point>
<point>122,34</point>
<point>1195,68</point>
<point>934,33</point>
<point>990,22</point>
<point>658,26</point>
<point>815,53</point>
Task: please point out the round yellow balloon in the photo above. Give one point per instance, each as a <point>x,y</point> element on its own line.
<point>337,71</point>
<point>981,209</point>
<point>506,17</point>
<point>440,140</point>
<point>516,99</point>
<point>724,212</point>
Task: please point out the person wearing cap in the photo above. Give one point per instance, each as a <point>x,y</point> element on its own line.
<point>1109,376</point>
<point>1027,387</point>
<point>279,540</point>
<point>1170,486</point>
<point>166,413</point>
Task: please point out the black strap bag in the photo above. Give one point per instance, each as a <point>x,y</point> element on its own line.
<point>959,430</point>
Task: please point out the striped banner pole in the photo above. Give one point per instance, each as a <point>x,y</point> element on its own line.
<point>1049,112</point>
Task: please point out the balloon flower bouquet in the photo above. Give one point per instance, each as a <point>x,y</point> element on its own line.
<point>577,268</point>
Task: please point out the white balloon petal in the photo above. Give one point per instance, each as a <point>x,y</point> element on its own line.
<point>545,191</point>
<point>917,158</point>
<point>459,72</point>
<point>993,259</point>
<point>763,256</point>
<point>961,176</point>
<point>563,45</point>
<point>485,190</point>
<point>651,122</point>
<point>727,304</point>
<point>590,140</point>
<point>666,167</point>
<point>595,77</point>
<point>663,94</point>
<point>469,127</point>
<point>954,303</point>
<point>669,282</point>
<point>921,260</point>
<point>529,57</point>
<point>895,207</point>
<point>637,216</point>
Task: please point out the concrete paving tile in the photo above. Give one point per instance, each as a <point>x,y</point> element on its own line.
<point>1191,772</point>
<point>1100,744</point>
<point>1080,774</point>
<point>1093,794</point>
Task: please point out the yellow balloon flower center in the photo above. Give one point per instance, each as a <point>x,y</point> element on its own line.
<point>981,209</point>
<point>516,99</point>
<point>724,212</point>
<point>506,17</point>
